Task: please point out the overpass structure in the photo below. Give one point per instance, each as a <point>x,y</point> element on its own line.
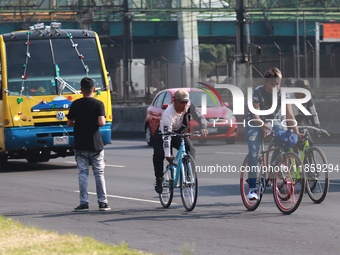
<point>157,19</point>
<point>173,29</point>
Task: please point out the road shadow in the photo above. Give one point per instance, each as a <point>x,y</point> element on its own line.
<point>175,212</point>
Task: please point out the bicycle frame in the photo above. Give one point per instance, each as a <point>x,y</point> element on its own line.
<point>263,159</point>
<point>265,176</point>
<point>304,150</point>
<point>177,169</point>
<point>296,169</point>
<point>301,153</point>
<point>306,143</point>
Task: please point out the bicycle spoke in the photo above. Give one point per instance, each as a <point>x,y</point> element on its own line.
<point>289,183</point>
<point>189,183</point>
<point>317,174</point>
<point>250,204</point>
<point>168,191</point>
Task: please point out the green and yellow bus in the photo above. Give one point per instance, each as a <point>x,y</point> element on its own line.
<point>40,76</point>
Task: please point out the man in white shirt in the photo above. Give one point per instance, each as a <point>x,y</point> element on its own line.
<point>175,118</point>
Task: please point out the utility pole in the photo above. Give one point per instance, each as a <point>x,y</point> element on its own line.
<point>242,74</point>
<point>126,49</point>
<point>298,46</point>
<point>280,56</point>
<point>240,19</point>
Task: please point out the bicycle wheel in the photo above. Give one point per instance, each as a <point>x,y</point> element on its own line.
<point>250,204</point>
<point>168,190</point>
<point>317,175</point>
<point>289,182</point>
<point>189,185</point>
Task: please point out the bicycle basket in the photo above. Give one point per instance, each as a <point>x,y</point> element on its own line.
<point>286,139</point>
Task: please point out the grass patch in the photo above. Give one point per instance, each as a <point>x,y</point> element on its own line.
<point>17,239</point>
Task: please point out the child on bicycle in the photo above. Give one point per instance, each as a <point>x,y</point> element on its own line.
<point>259,125</point>
<point>175,118</point>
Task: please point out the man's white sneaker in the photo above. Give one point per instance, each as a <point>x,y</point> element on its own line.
<point>252,195</point>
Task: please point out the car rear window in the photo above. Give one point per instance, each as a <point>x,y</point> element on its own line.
<point>159,100</point>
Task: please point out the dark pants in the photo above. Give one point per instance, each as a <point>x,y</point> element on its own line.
<point>158,152</point>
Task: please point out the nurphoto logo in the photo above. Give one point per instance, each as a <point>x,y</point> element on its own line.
<point>238,103</point>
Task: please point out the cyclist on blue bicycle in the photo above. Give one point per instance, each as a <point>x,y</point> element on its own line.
<point>175,118</point>
<point>262,100</point>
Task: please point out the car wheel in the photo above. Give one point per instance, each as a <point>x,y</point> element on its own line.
<point>148,135</point>
<point>230,140</point>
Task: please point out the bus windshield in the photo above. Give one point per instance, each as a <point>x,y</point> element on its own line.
<point>54,66</point>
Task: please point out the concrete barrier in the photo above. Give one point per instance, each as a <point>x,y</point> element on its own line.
<point>329,116</point>
<point>129,121</point>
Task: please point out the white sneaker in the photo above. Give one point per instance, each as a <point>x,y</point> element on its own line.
<point>252,195</point>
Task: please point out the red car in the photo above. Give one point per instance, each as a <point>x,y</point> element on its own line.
<point>220,119</point>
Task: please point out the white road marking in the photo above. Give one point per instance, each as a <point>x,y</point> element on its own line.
<point>128,198</point>
<point>73,162</point>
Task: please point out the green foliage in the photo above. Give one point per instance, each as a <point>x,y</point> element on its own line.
<point>212,55</point>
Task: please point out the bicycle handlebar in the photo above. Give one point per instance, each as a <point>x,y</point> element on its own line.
<point>319,130</point>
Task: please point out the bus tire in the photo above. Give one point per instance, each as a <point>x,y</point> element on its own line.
<point>3,161</point>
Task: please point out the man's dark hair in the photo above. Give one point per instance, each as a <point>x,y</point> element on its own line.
<point>87,84</point>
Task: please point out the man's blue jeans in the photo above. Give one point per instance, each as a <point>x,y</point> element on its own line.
<point>253,138</point>
<point>96,158</point>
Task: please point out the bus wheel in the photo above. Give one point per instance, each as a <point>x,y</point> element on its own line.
<point>3,161</point>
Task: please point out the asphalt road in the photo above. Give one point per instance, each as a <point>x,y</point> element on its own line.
<point>45,194</point>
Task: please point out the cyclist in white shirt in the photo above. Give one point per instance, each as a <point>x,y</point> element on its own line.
<point>175,118</point>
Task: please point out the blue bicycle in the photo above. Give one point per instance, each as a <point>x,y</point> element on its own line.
<point>181,174</point>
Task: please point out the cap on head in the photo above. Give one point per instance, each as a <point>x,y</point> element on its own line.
<point>182,95</point>
<point>302,83</point>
